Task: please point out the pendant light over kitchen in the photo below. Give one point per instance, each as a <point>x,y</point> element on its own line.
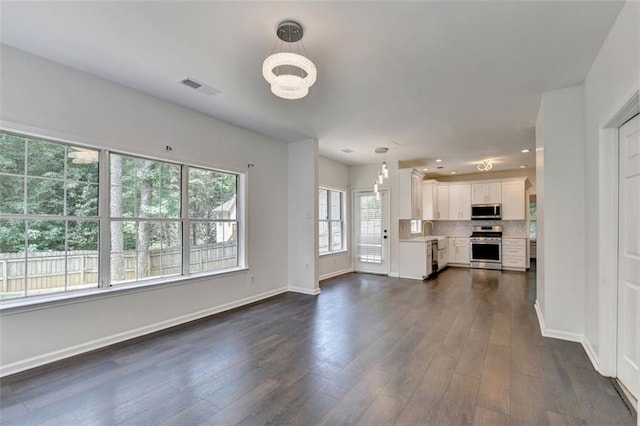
<point>289,72</point>
<point>384,170</point>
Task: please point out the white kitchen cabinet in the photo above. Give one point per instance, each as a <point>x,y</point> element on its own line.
<point>442,205</point>
<point>460,202</point>
<point>429,199</point>
<point>443,256</point>
<point>412,259</point>
<point>513,200</point>
<point>486,193</point>
<point>514,253</point>
<point>459,251</point>
<point>409,194</point>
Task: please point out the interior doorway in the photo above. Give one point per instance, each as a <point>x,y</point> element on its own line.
<point>628,347</point>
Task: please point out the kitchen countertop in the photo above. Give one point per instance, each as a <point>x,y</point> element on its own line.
<point>421,239</point>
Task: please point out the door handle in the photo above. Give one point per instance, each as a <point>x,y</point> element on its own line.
<point>385,237</point>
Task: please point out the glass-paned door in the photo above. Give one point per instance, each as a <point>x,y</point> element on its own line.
<point>371,232</point>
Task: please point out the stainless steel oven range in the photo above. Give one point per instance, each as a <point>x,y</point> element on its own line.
<point>486,247</point>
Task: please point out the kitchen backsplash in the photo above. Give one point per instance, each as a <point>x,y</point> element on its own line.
<point>462,228</point>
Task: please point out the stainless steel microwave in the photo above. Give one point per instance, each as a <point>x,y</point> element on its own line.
<point>486,211</point>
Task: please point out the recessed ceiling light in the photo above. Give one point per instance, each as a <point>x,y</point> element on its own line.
<point>453,173</point>
<point>425,170</point>
<point>526,150</point>
<point>439,160</point>
<point>523,166</point>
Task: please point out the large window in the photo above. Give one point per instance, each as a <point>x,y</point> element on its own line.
<point>331,229</point>
<point>163,219</point>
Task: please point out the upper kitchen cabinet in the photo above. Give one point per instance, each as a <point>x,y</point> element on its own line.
<point>429,199</point>
<point>460,202</point>
<point>442,203</point>
<point>513,200</point>
<point>409,194</point>
<point>486,193</point>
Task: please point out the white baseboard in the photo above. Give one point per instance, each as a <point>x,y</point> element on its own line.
<point>394,274</point>
<point>335,274</point>
<point>553,333</point>
<point>540,317</point>
<point>47,358</point>
<point>591,354</point>
<point>313,292</point>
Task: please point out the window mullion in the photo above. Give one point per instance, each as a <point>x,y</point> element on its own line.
<point>104,237</point>
<point>186,223</point>
<point>329,207</point>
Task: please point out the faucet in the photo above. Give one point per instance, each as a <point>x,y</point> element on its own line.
<point>424,227</point>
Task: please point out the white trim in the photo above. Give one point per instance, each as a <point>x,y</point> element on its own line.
<point>39,360</point>
<point>312,292</point>
<point>572,337</point>
<point>394,274</point>
<point>329,253</point>
<point>34,303</point>
<point>624,113</point>
<point>336,273</point>
<point>608,232</point>
<point>591,353</point>
<point>553,333</point>
<point>536,305</point>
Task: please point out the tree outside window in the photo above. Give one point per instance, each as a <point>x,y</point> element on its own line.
<point>50,227</point>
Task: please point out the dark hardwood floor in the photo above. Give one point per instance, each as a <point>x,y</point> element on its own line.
<point>464,348</point>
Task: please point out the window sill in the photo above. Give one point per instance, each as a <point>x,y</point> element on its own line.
<point>333,252</point>
<point>27,304</point>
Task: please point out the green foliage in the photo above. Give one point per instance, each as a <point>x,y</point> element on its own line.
<point>62,180</point>
<point>209,189</point>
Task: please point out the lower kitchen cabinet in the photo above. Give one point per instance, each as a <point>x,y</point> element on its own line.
<point>413,260</point>
<point>443,255</point>
<point>514,254</point>
<point>459,251</point>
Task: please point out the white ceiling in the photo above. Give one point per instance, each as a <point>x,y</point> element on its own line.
<point>454,80</point>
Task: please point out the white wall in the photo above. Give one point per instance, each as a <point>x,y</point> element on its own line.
<point>560,139</point>
<point>303,217</point>
<point>613,78</point>
<point>58,101</point>
<point>335,175</point>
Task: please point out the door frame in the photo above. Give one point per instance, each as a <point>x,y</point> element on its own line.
<point>386,219</point>
<point>608,209</point>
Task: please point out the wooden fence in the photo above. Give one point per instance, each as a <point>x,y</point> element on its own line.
<point>46,271</point>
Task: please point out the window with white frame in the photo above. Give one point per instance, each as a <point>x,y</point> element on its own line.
<point>331,227</point>
<point>163,219</point>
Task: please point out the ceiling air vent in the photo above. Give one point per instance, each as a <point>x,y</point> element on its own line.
<point>347,151</point>
<point>199,87</point>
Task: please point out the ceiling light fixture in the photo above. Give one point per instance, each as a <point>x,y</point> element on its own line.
<point>523,166</point>
<point>524,151</point>
<point>289,73</point>
<point>384,170</point>
<point>485,165</point>
<point>439,160</point>
<point>453,173</point>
